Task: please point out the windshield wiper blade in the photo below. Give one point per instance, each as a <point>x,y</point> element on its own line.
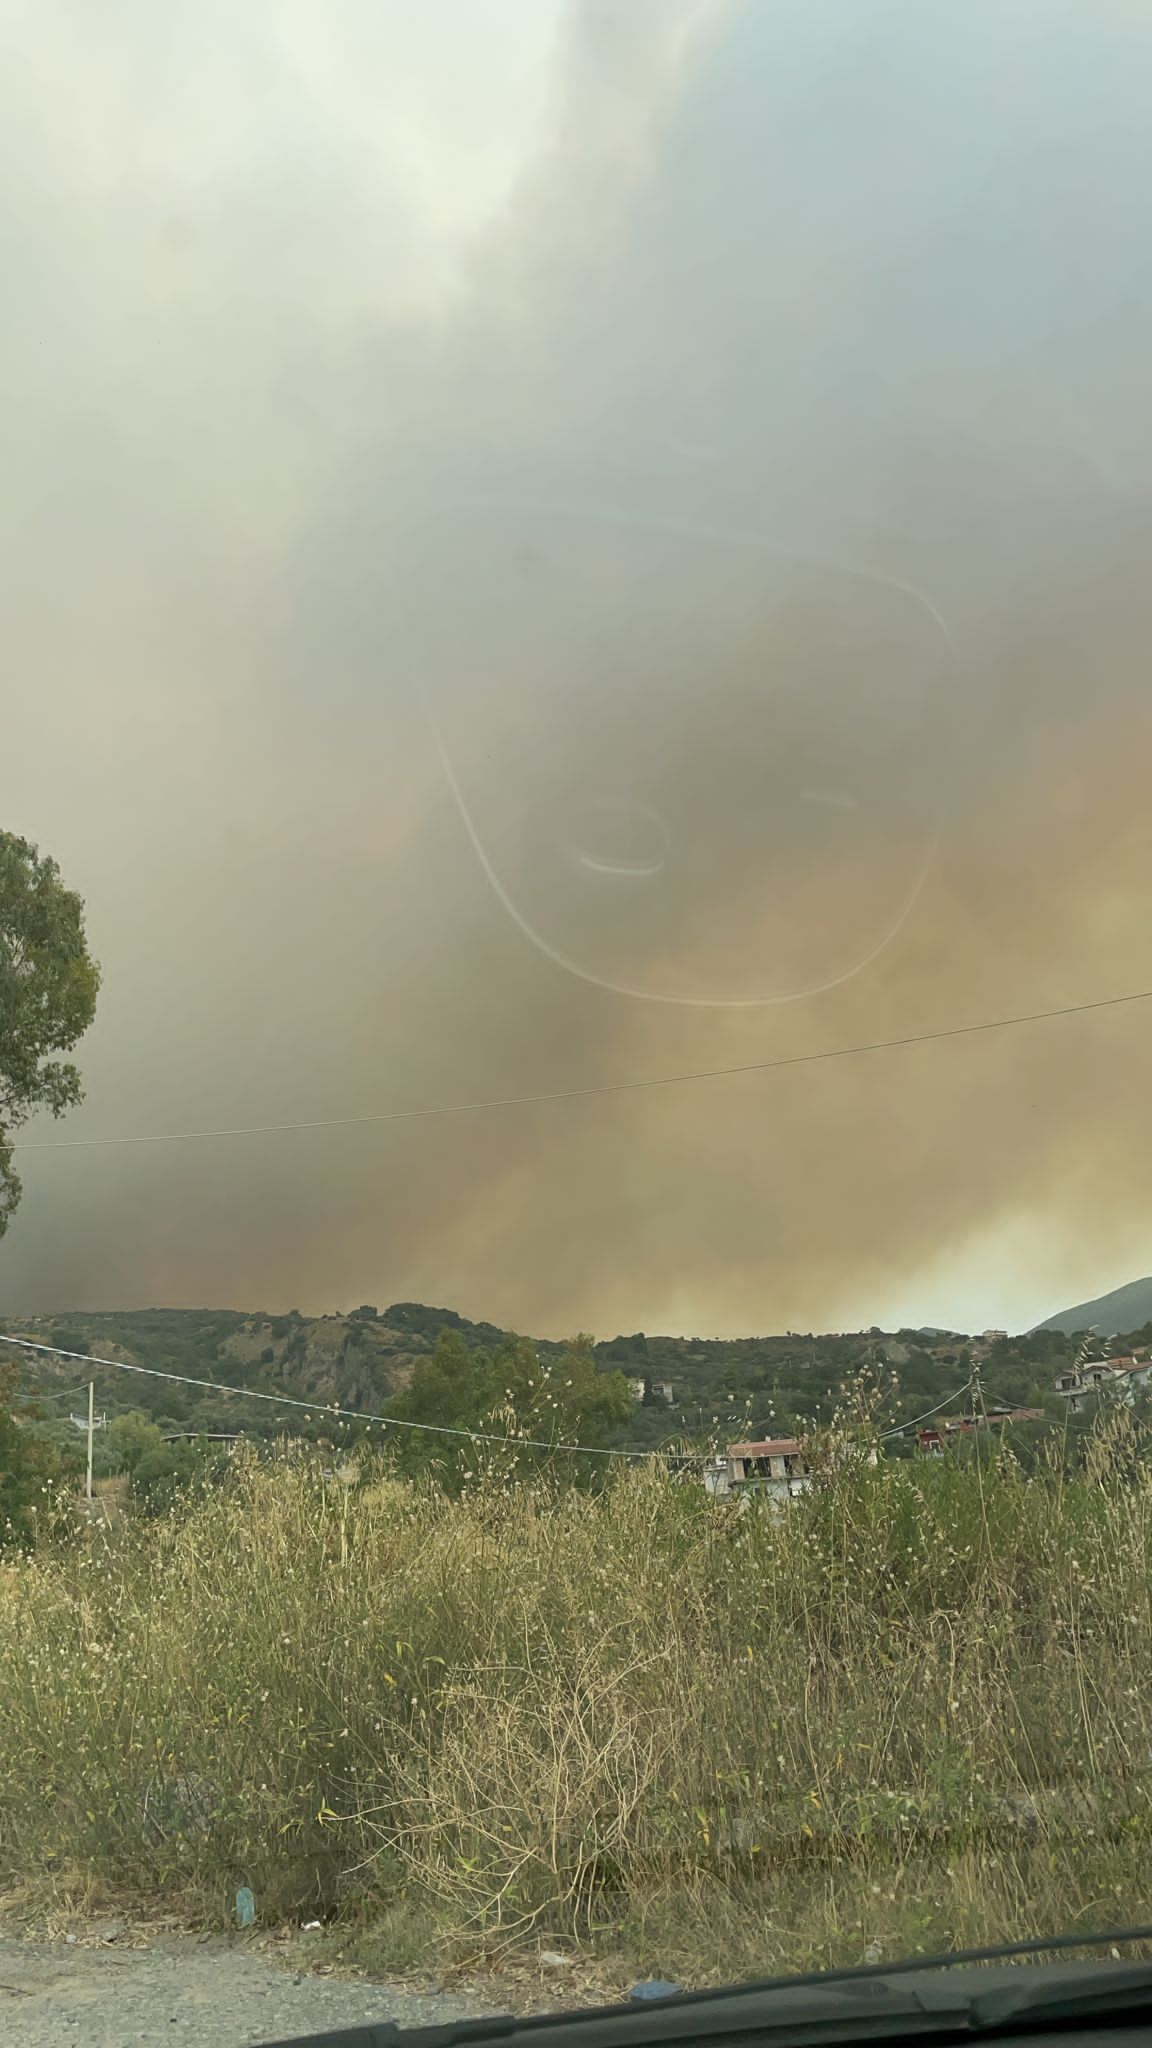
<point>808,2015</point>
<point>918,1996</point>
<point>738,2017</point>
<point>1041,1998</point>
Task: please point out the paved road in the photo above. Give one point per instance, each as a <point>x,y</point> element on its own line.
<point>186,1993</point>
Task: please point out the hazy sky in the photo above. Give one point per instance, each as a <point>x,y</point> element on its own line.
<point>567,541</point>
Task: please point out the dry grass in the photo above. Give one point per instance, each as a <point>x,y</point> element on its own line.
<point>914,1710</point>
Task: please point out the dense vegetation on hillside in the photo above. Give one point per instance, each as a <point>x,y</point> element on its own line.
<point>431,1365</point>
<point>440,1380</point>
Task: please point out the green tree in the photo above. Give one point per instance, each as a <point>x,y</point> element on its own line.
<point>158,1471</point>
<point>451,1388</point>
<point>562,1400</point>
<point>29,1468</point>
<point>130,1438</point>
<point>515,1391</point>
<point>163,1474</point>
<point>48,988</point>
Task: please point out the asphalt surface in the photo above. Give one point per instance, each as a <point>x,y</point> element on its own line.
<point>187,1993</point>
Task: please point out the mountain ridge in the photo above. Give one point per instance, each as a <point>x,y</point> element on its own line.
<point>1123,1309</point>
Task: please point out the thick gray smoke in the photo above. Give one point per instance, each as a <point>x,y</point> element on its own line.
<point>547,545</point>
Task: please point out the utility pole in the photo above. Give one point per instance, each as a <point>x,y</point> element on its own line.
<point>91,1427</point>
<point>979,1407</point>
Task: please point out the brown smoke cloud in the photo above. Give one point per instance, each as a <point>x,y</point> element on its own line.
<point>668,591</point>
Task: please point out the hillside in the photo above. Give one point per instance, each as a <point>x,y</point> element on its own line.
<point>691,1386</point>
<point>1126,1308</point>
<point>359,1360</point>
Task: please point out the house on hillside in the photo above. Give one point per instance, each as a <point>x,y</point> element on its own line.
<point>717,1476</point>
<point>661,1389</point>
<point>935,1437</point>
<point>775,1467</point>
<point>981,1347</point>
<point>1120,1378</point>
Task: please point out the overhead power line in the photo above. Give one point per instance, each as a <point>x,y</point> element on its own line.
<point>914,1420</point>
<point>600,1088</point>
<point>56,1394</point>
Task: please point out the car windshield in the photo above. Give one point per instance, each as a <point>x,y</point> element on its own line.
<point>574,1011</point>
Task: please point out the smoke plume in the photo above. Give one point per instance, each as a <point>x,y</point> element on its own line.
<point>608,546</point>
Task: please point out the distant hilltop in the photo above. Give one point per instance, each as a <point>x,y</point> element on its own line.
<point>1126,1308</point>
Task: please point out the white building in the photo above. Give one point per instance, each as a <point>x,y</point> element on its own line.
<point>775,1466</point>
<point>1118,1377</point>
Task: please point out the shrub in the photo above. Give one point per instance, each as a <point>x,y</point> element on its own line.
<point>915,1706</point>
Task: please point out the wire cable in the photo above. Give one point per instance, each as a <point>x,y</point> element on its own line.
<point>914,1420</point>
<point>600,1088</point>
<point>57,1394</point>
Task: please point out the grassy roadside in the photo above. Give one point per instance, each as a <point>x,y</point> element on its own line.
<point>913,1711</point>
